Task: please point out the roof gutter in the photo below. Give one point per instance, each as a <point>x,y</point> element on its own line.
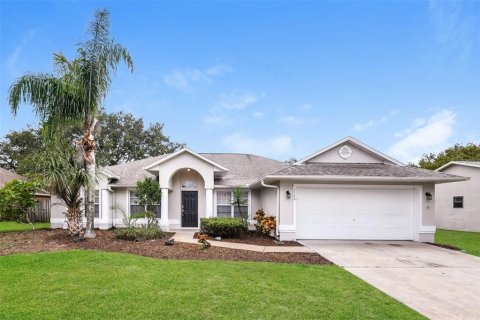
<point>333,178</point>
<point>277,209</point>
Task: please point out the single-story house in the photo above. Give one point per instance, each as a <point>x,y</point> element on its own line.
<point>42,197</point>
<point>458,204</point>
<point>347,190</point>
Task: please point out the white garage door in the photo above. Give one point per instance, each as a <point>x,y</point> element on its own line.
<point>363,213</point>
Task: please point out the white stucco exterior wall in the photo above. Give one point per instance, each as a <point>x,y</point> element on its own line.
<point>462,219</point>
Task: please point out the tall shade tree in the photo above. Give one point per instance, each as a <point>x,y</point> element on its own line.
<point>76,95</point>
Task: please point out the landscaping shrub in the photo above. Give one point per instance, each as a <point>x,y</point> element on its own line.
<point>150,216</point>
<point>223,227</point>
<point>139,233</point>
<point>266,224</point>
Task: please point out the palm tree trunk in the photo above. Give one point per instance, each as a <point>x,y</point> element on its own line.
<point>74,222</point>
<point>88,143</point>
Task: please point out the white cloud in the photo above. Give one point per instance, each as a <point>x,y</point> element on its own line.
<point>278,146</point>
<point>219,114</point>
<point>238,101</point>
<point>361,126</point>
<point>258,114</point>
<point>455,29</point>
<point>307,107</point>
<point>217,119</point>
<point>218,70</point>
<point>13,57</point>
<point>186,79</point>
<point>424,136</point>
<point>295,120</point>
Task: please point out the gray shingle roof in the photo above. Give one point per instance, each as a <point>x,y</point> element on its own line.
<point>242,168</point>
<point>131,172</point>
<point>7,176</point>
<point>361,170</point>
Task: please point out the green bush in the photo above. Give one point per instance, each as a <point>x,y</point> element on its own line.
<point>150,216</point>
<point>141,233</point>
<point>223,227</point>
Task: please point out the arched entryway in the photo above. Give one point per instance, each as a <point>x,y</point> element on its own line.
<point>186,199</point>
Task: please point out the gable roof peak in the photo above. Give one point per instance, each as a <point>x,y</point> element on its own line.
<point>180,151</point>
<point>386,158</point>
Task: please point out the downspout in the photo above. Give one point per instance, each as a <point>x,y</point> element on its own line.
<point>277,213</point>
<point>114,216</point>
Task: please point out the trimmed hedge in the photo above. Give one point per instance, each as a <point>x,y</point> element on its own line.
<point>139,233</point>
<point>223,227</point>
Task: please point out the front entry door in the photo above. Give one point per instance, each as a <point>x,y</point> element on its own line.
<point>190,209</point>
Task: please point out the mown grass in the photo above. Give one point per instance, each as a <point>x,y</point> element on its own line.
<point>101,285</point>
<point>467,241</point>
<point>15,226</point>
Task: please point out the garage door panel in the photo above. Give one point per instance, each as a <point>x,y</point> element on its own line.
<point>354,213</point>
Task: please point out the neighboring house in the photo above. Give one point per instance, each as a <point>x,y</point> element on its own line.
<point>345,191</point>
<point>42,197</point>
<point>458,204</point>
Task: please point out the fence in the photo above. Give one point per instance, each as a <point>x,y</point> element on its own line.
<point>41,213</point>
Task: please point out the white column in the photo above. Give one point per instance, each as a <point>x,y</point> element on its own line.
<point>209,202</point>
<point>164,209</point>
<point>105,220</point>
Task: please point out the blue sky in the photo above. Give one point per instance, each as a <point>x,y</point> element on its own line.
<point>280,79</point>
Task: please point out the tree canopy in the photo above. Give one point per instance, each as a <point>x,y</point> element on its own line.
<point>122,137</point>
<point>469,152</point>
<point>17,149</point>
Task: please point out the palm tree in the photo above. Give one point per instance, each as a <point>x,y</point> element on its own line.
<point>65,177</point>
<point>238,201</point>
<point>75,96</point>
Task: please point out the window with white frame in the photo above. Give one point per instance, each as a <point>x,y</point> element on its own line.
<point>97,204</point>
<point>136,207</point>
<point>225,207</point>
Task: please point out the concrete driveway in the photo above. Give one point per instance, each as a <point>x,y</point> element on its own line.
<point>439,283</point>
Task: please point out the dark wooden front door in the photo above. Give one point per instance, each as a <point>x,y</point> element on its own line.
<point>190,209</point>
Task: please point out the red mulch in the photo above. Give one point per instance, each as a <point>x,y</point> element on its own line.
<point>256,239</point>
<point>59,240</point>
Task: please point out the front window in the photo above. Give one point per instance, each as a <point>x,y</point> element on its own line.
<point>242,211</point>
<point>136,207</point>
<point>97,204</point>
<point>458,202</point>
<point>225,207</point>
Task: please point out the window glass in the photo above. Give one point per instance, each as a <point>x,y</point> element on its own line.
<point>244,208</point>
<point>135,207</point>
<point>458,202</point>
<point>97,204</point>
<point>225,207</point>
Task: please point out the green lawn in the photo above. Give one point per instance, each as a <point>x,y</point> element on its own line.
<point>468,241</point>
<point>101,285</point>
<point>15,226</point>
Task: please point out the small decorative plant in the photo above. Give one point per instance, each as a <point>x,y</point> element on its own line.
<point>203,239</point>
<point>266,224</point>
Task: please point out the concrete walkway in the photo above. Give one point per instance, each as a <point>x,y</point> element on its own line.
<point>437,282</point>
<point>187,237</point>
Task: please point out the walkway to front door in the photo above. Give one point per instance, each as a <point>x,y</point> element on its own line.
<point>190,209</point>
<point>437,282</point>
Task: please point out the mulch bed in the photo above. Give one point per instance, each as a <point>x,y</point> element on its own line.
<point>59,240</point>
<point>256,239</point>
